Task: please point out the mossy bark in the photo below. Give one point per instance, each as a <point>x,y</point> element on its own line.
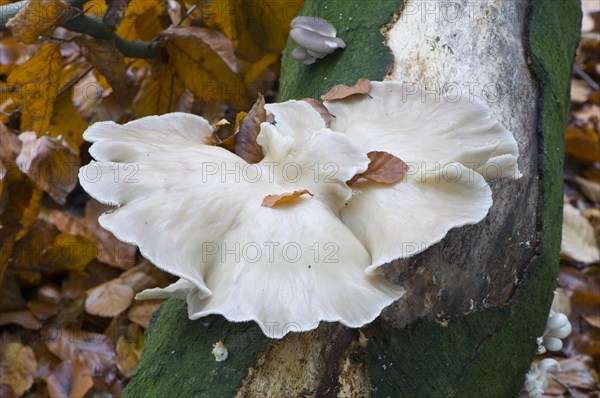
<point>482,354</point>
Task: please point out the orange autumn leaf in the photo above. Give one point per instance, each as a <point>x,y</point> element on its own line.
<point>275,200</point>
<point>35,84</point>
<point>246,146</point>
<point>341,91</point>
<point>70,379</point>
<point>37,20</point>
<point>384,167</point>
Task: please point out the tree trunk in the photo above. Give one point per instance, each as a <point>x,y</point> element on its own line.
<point>476,301</point>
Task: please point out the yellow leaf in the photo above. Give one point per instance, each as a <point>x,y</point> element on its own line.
<point>141,20</point>
<point>37,20</point>
<point>19,367</point>
<point>204,59</point>
<point>159,91</point>
<point>66,122</point>
<point>128,351</point>
<point>69,252</point>
<point>36,84</point>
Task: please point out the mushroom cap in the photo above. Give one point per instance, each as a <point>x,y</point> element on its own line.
<point>314,24</point>
<point>316,42</point>
<point>301,54</point>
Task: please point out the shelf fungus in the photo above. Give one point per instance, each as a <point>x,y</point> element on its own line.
<point>315,37</point>
<point>387,179</point>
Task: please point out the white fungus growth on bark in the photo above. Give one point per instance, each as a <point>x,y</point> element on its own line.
<point>220,351</point>
<point>536,381</point>
<point>315,38</point>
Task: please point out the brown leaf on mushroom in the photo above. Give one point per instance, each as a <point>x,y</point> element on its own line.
<point>384,167</point>
<point>341,91</point>
<point>246,146</point>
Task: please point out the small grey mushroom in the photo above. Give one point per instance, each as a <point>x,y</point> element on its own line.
<point>314,24</point>
<point>301,54</point>
<point>315,38</point>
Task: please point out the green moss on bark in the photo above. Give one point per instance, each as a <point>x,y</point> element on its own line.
<point>177,359</point>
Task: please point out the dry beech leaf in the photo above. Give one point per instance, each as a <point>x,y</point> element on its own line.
<point>37,18</point>
<point>110,62</point>
<point>575,372</point>
<point>23,318</point>
<point>110,250</point>
<point>18,367</point>
<point>384,167</point>
<point>142,311</point>
<point>246,146</point>
<point>582,143</point>
<point>51,164</point>
<point>69,253</point>
<point>141,20</point>
<point>275,200</point>
<point>591,189</point>
<point>159,92</point>
<point>341,91</point>
<point>580,91</point>
<point>128,351</point>
<point>70,379</point>
<point>319,107</point>
<point>95,351</point>
<point>36,84</point>
<point>66,123</point>
<point>109,299</point>
<point>205,61</point>
<point>578,241</point>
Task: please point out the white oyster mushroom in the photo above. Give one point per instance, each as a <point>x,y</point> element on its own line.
<point>315,37</point>
<point>193,215</point>
<point>195,209</point>
<point>450,147</point>
<point>220,351</point>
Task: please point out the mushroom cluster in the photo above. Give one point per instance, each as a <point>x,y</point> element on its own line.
<point>196,210</point>
<point>557,327</point>
<point>315,38</point>
<point>536,380</point>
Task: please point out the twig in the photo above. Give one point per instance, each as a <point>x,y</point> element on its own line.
<point>187,14</point>
<point>587,78</point>
<point>91,27</point>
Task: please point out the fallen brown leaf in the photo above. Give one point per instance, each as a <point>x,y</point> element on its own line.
<point>51,164</point>
<point>23,318</point>
<point>275,200</point>
<point>128,350</point>
<point>141,312</point>
<point>95,351</point>
<point>384,167</point>
<point>578,240</point>
<point>70,379</point>
<point>246,146</point>
<point>109,299</point>
<point>341,91</point>
<point>110,250</point>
